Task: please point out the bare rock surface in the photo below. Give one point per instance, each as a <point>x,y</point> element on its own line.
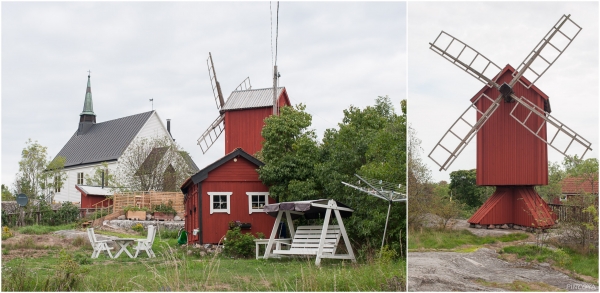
<point>455,271</point>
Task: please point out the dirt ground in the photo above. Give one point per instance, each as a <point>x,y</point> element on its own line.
<point>26,245</point>
<point>484,270</point>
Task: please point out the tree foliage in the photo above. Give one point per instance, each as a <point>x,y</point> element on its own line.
<point>38,176</point>
<point>370,142</point>
<point>97,175</point>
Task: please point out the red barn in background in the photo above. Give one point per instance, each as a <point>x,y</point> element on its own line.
<point>511,158</point>
<point>227,190</point>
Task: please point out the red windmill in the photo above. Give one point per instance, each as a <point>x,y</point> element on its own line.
<point>512,122</point>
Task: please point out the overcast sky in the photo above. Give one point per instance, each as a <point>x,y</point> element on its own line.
<point>330,55</point>
<point>504,32</point>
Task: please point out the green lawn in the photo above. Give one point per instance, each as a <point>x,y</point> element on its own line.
<point>449,239</point>
<point>176,270</point>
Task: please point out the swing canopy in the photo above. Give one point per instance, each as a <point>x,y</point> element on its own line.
<point>311,209</point>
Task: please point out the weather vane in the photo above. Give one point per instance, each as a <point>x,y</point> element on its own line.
<point>152,100</point>
<point>89,72</point>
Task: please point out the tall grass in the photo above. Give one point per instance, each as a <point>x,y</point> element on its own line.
<point>449,239</point>
<point>565,258</point>
<point>44,229</point>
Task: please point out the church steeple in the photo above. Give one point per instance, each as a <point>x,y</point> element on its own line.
<point>87,118</point>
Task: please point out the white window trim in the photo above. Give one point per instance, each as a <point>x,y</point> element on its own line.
<point>212,210</point>
<point>250,194</point>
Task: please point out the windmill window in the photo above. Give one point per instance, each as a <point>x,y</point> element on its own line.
<point>80,178</point>
<point>220,202</point>
<point>256,201</point>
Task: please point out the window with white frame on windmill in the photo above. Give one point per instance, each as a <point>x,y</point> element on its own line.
<point>256,201</point>
<point>219,202</point>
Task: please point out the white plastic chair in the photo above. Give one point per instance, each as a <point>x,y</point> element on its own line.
<point>98,245</point>
<point>146,244</point>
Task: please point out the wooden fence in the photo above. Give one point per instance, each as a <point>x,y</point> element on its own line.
<point>148,199</point>
<point>570,213</point>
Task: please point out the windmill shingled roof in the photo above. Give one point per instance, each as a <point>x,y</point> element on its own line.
<point>247,99</point>
<point>104,141</point>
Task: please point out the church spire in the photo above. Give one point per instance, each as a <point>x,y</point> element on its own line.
<point>87,118</point>
<point>88,106</point>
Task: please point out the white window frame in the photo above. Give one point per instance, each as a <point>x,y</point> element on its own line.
<point>213,210</point>
<point>82,181</point>
<point>250,194</point>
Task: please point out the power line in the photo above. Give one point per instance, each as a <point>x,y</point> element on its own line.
<point>271,16</point>
<point>276,32</point>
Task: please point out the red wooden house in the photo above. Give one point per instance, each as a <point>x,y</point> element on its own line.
<point>226,191</point>
<point>512,159</point>
<point>92,195</point>
<point>229,189</point>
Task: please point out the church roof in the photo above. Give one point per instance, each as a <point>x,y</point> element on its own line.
<point>247,99</point>
<point>104,141</point>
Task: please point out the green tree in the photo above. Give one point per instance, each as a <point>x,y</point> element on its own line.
<point>37,176</point>
<point>464,189</point>
<point>290,153</point>
<point>368,141</point>
<point>6,194</point>
<point>554,188</point>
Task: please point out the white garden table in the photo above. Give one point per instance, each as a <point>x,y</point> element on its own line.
<point>124,243</point>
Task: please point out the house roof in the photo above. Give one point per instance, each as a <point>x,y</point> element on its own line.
<point>94,190</point>
<point>247,99</point>
<point>104,141</point>
<point>203,174</point>
<point>576,185</point>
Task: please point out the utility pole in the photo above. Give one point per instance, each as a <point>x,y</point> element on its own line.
<point>275,74</point>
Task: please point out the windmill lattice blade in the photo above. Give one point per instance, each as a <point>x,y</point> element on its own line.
<point>466,58</point>
<point>548,120</point>
<point>244,85</point>
<point>547,51</point>
<point>462,131</point>
<point>211,134</point>
<point>216,87</point>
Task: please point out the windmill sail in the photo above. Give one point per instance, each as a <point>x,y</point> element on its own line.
<point>559,129</point>
<point>466,58</point>
<point>211,134</point>
<point>216,87</point>
<point>462,131</point>
<point>547,51</point>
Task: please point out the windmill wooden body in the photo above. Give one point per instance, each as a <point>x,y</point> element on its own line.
<point>229,190</point>
<point>511,118</point>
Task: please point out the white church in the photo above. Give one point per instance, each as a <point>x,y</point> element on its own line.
<point>95,143</point>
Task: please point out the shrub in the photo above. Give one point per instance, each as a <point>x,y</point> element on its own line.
<point>6,233</point>
<point>238,244</point>
<point>165,208</point>
<point>67,213</point>
<point>138,228</point>
<point>134,209</point>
